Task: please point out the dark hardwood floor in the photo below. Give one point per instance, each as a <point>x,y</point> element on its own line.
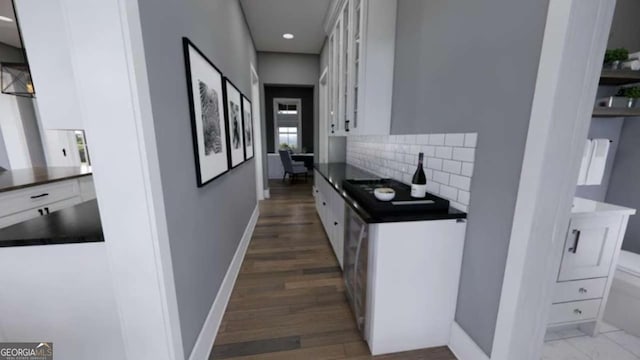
<point>289,301</point>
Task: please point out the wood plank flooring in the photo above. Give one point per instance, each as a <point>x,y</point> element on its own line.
<point>289,300</point>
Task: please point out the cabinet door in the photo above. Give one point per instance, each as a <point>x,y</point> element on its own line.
<point>589,248</point>
<point>345,66</point>
<point>337,212</point>
<point>356,43</point>
<point>331,86</point>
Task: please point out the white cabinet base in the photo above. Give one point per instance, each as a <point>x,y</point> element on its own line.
<point>414,271</point>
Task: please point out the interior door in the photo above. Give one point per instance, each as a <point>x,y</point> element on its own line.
<point>589,247</point>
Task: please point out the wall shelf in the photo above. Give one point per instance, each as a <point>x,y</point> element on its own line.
<point>615,112</point>
<point>619,77</point>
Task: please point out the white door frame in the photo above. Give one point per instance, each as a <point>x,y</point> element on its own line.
<point>257,132</point>
<point>298,103</point>
<point>133,221</point>
<point>571,60</point>
<point>323,125</point>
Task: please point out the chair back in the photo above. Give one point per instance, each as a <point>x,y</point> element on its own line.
<point>287,163</point>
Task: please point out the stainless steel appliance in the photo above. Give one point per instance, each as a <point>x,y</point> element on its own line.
<point>356,253</point>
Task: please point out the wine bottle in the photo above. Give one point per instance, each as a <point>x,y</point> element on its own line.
<point>419,181</point>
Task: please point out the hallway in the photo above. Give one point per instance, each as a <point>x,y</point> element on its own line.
<point>288,301</point>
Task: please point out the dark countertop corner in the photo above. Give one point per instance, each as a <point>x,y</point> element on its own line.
<point>22,178</point>
<point>334,173</point>
<point>76,224</point>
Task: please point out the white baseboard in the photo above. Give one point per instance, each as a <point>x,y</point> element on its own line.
<point>463,347</point>
<point>267,194</point>
<point>209,331</point>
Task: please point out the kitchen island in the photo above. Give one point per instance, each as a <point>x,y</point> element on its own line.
<point>56,283</point>
<point>30,193</point>
<point>75,224</point>
<point>23,178</point>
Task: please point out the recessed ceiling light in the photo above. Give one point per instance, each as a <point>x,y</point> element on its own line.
<point>287,36</point>
<point>4,18</point>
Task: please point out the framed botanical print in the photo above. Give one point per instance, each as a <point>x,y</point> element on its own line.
<point>247,122</point>
<point>206,105</point>
<point>233,103</point>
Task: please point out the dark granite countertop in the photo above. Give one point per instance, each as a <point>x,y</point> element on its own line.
<point>76,224</point>
<point>334,173</point>
<point>22,178</point>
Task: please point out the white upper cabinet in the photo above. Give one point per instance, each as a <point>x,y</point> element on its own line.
<point>361,44</point>
<point>42,23</point>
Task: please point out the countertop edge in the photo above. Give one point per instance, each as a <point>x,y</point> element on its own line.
<point>372,220</point>
<point>42,182</point>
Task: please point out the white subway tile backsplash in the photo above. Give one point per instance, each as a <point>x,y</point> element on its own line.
<point>448,162</point>
<point>436,139</point>
<point>433,163</point>
<point>464,154</point>
<point>470,140</point>
<point>467,169</point>
<point>451,166</point>
<point>444,152</point>
<point>433,187</point>
<point>429,151</point>
<point>448,192</point>
<point>463,197</point>
<point>461,182</point>
<point>454,139</point>
<point>441,177</point>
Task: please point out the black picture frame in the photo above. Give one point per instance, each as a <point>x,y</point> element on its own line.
<point>208,123</point>
<point>247,126</point>
<point>233,115</point>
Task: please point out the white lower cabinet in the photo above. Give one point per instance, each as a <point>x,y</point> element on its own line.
<point>28,203</point>
<point>589,259</point>
<point>330,207</point>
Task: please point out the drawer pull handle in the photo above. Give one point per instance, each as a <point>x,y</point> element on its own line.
<point>577,311</point>
<point>47,210</point>
<point>574,249</point>
<point>324,203</point>
<point>335,223</point>
<point>39,196</point>
<point>582,291</point>
<point>41,212</point>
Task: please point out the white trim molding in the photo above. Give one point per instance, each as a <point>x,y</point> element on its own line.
<point>209,331</point>
<point>463,347</point>
<point>574,42</point>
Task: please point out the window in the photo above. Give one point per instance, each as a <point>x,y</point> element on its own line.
<point>288,136</point>
<point>287,109</point>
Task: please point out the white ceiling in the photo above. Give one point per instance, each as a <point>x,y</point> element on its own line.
<point>9,30</point>
<point>269,19</point>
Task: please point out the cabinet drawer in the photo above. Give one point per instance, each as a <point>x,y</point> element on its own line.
<point>36,196</point>
<point>18,217</point>
<point>46,209</point>
<point>574,311</point>
<point>86,188</point>
<point>579,290</point>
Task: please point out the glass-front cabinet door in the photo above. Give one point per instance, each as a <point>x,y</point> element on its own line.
<point>344,68</point>
<point>330,87</point>
<point>355,68</point>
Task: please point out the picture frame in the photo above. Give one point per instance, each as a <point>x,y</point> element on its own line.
<point>247,123</point>
<point>233,110</point>
<point>206,107</point>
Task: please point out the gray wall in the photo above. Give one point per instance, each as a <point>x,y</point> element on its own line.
<point>602,128</point>
<point>471,66</point>
<point>625,30</point>
<point>624,186</point>
<point>286,69</point>
<point>26,108</point>
<point>205,224</point>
